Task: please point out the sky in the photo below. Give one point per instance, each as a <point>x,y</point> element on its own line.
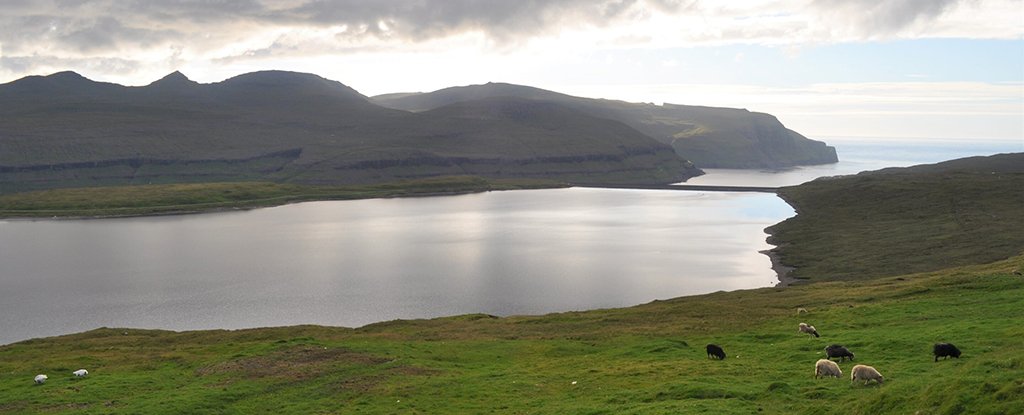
<point>825,68</point>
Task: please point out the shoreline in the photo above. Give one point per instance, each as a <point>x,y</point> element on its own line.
<point>239,207</point>
<point>71,214</point>
<point>781,270</point>
<point>380,191</point>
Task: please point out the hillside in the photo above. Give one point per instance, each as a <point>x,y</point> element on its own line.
<point>643,359</point>
<point>900,220</point>
<point>64,130</point>
<point>647,359</point>
<point>709,137</point>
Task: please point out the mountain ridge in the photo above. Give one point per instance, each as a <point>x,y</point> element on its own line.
<point>711,137</point>
<point>64,130</point>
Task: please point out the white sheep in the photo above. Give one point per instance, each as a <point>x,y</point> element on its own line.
<point>81,373</point>
<point>865,373</point>
<point>804,328</point>
<point>826,368</point>
<point>40,379</point>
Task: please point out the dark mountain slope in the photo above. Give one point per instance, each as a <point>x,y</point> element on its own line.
<point>525,132</point>
<point>707,136</point>
<point>66,131</point>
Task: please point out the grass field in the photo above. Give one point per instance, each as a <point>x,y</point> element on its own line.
<point>643,359</point>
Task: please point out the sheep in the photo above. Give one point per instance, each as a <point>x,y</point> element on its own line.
<point>825,368</point>
<point>945,350</point>
<point>804,328</point>
<point>801,310</point>
<point>40,379</point>
<point>715,352</point>
<point>839,351</point>
<point>80,373</point>
<point>865,373</point>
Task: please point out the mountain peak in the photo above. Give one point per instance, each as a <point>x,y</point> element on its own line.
<point>67,75</point>
<point>174,79</point>
<point>291,82</point>
<point>63,83</point>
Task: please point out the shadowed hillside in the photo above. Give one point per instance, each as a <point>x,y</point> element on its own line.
<point>64,130</point>
<point>709,137</point>
<point>900,220</point>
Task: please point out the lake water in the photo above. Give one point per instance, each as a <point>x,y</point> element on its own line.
<point>357,262</point>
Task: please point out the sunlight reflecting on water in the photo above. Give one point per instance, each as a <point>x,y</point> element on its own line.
<point>355,262</point>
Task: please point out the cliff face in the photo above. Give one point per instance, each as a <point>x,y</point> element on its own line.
<point>707,136</point>
<point>64,130</point>
<point>749,140</point>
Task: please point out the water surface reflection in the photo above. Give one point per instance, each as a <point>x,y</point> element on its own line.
<point>356,262</point>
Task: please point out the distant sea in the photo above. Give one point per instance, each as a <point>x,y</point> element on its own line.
<point>857,154</point>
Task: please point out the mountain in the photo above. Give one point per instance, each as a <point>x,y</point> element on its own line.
<point>65,130</point>
<point>709,137</point>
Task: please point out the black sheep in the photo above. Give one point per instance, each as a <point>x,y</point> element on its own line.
<point>715,351</point>
<point>839,351</point>
<point>945,350</point>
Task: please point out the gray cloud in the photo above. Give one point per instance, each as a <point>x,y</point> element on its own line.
<point>501,20</point>
<point>885,16</point>
<point>90,27</point>
<point>107,33</point>
<point>108,25</point>
<point>224,31</point>
<point>37,64</point>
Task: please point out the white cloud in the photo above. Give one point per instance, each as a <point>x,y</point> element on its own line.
<point>159,34</point>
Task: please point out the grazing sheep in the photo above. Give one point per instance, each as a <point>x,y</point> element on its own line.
<point>801,310</point>
<point>945,350</point>
<point>40,379</point>
<point>715,352</point>
<point>839,351</point>
<point>81,373</point>
<point>825,368</point>
<point>865,373</point>
<point>804,328</point>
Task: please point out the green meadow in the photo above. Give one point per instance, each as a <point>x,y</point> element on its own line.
<point>647,359</point>
<point>644,359</point>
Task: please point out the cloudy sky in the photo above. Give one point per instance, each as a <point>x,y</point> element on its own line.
<point>827,68</point>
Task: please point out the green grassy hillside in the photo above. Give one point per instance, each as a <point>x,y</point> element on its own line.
<point>896,221</point>
<point>644,359</point>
